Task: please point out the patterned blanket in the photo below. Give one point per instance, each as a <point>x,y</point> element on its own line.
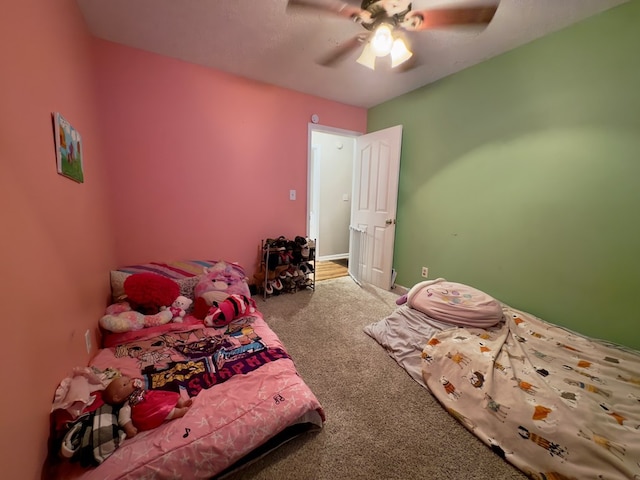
<point>554,403</point>
<point>93,437</point>
<point>193,359</point>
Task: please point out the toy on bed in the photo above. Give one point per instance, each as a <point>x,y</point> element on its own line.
<point>84,429</point>
<point>179,308</point>
<point>216,284</point>
<point>152,300</point>
<point>223,313</point>
<point>149,292</point>
<point>141,409</point>
<point>119,317</point>
<point>247,395</point>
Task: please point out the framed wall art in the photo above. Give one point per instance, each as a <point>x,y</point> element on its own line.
<point>68,149</point>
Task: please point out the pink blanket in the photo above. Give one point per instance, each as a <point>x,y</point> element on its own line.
<point>245,387</point>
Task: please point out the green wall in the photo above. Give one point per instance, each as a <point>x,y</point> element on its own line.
<point>521,177</point>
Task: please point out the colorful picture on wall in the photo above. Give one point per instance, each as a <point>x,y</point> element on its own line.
<point>68,149</point>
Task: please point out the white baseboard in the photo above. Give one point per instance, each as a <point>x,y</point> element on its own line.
<point>328,258</point>
<point>402,290</point>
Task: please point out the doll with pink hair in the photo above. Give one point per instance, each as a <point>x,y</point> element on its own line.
<point>143,409</point>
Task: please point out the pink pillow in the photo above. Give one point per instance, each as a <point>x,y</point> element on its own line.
<point>455,303</point>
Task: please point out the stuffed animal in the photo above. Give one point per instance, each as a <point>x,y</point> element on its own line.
<point>147,292</point>
<point>143,409</point>
<point>179,308</point>
<point>225,312</point>
<point>220,281</point>
<point>120,318</point>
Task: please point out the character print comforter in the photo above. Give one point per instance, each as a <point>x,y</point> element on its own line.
<point>554,403</point>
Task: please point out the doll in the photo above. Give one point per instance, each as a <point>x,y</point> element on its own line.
<point>143,409</point>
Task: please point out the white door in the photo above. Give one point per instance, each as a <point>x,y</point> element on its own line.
<point>374,203</point>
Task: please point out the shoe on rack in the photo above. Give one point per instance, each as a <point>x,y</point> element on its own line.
<point>284,275</point>
<point>276,284</point>
<point>311,243</point>
<point>306,268</point>
<point>268,288</point>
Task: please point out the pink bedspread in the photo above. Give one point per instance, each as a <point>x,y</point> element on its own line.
<point>245,388</point>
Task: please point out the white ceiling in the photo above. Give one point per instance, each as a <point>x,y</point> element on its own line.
<point>260,40</point>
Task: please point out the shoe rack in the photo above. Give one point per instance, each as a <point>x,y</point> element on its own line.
<point>286,265</point>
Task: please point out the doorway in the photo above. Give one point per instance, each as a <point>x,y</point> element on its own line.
<point>330,184</point>
<point>361,230</point>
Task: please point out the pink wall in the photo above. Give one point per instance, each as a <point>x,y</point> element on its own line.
<point>56,243</point>
<point>202,162</point>
<point>180,162</point>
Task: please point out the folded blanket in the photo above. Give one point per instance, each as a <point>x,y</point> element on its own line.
<point>93,437</point>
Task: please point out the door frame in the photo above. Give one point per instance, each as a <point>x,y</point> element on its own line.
<point>314,127</point>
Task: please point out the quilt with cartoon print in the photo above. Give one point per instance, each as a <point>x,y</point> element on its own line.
<point>552,402</point>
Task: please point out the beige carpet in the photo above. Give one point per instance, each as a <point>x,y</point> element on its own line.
<point>380,423</point>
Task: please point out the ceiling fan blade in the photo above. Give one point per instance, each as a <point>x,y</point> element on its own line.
<point>428,19</point>
<point>339,53</point>
<point>340,9</point>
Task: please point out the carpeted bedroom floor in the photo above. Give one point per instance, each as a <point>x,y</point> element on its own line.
<point>380,423</point>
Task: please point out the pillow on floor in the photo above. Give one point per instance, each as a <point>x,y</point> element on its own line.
<point>455,303</point>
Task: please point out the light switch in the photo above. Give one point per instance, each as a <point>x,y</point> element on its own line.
<point>292,194</point>
<point>345,197</point>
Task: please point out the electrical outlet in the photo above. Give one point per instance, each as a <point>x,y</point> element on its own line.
<point>292,194</point>
<point>425,272</point>
<point>87,340</point>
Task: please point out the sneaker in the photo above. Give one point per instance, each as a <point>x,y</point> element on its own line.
<point>268,288</point>
<point>306,268</point>
<point>277,284</point>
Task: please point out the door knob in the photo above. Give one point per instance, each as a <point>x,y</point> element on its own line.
<point>390,221</point>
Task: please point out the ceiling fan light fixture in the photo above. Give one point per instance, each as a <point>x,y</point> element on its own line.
<point>399,53</point>
<point>367,57</point>
<point>382,41</point>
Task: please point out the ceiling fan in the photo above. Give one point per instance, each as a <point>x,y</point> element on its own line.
<point>388,21</point>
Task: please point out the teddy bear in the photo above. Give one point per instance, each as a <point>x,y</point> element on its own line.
<point>179,308</point>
